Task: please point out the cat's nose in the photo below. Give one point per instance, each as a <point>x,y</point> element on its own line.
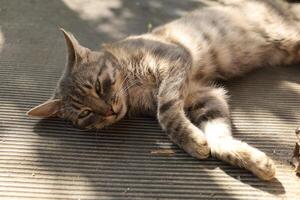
<point>109,112</point>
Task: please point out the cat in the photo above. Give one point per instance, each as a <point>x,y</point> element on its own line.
<point>170,72</point>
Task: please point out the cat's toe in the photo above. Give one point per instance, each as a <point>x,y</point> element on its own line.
<point>264,168</point>
<point>198,148</point>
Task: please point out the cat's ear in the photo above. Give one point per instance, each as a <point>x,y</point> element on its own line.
<point>50,108</point>
<point>76,52</point>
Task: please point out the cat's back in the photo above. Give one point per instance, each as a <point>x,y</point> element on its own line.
<point>234,34</point>
<point>232,22</point>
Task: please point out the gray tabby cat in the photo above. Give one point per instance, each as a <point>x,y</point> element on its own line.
<point>170,72</point>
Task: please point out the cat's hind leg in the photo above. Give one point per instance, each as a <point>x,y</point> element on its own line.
<point>208,109</point>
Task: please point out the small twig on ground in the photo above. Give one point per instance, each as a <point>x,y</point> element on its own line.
<point>163,152</point>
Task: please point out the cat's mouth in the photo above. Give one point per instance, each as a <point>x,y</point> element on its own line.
<point>113,115</point>
<point>116,111</point>
<point>110,112</point>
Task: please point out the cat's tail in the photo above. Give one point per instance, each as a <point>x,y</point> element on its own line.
<point>238,153</point>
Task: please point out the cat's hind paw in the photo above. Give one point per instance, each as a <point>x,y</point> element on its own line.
<point>241,154</point>
<point>264,168</point>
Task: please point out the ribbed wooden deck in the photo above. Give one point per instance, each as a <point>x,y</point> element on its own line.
<point>49,159</point>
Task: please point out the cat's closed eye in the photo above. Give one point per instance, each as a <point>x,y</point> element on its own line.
<point>98,88</point>
<point>84,113</point>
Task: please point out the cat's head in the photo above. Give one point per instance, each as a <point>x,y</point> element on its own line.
<point>90,91</point>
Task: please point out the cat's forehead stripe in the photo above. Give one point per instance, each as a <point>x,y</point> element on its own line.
<point>76,106</point>
<point>102,68</point>
<point>75,99</point>
<point>88,86</point>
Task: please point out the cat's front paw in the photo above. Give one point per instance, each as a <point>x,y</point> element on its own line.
<point>197,147</point>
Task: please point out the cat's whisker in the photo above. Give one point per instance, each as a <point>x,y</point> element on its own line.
<point>124,80</point>
<point>122,84</point>
<point>128,87</point>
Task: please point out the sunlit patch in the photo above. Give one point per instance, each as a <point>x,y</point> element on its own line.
<point>93,9</point>
<point>99,11</point>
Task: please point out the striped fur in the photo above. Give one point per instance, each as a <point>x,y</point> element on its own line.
<point>169,72</point>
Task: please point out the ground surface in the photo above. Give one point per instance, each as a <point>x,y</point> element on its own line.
<point>50,159</point>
